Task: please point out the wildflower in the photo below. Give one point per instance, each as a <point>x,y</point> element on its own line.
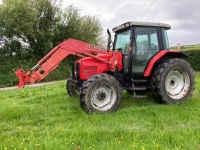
<point>77,147</point>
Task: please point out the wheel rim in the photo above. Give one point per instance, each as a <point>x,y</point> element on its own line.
<point>177,83</point>
<point>103,97</point>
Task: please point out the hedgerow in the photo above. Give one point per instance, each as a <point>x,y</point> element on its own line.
<point>194,59</point>
<point>9,64</point>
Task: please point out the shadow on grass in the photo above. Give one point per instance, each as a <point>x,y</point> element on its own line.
<point>128,100</point>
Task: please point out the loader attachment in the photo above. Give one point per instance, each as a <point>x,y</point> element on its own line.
<point>52,60</point>
<point>23,77</point>
<point>46,65</point>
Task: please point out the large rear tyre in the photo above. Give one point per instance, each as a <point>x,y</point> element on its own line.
<point>71,87</point>
<point>173,81</point>
<point>100,93</point>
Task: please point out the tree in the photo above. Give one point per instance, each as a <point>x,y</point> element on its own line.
<point>30,22</point>
<point>73,25</point>
<point>36,26</point>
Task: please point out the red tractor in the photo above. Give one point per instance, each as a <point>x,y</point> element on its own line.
<point>140,59</point>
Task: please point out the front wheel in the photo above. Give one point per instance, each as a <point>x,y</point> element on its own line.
<point>173,81</point>
<point>72,87</point>
<point>100,93</point>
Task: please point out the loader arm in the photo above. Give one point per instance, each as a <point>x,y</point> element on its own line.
<point>52,60</point>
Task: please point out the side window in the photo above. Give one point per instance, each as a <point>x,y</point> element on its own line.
<point>165,39</point>
<point>146,40</point>
<point>154,42</point>
<point>141,43</point>
<point>122,41</point>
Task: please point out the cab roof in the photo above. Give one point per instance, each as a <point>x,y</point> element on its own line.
<point>137,23</point>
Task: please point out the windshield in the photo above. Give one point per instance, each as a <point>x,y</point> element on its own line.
<point>122,41</point>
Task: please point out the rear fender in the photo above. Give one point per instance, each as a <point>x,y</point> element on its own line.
<point>164,54</point>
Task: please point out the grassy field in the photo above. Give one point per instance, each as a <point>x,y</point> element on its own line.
<point>188,47</point>
<point>47,118</point>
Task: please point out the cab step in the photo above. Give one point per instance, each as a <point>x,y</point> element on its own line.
<point>139,81</point>
<point>139,88</point>
<point>139,96</point>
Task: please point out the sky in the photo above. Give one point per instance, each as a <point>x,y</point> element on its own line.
<point>182,15</point>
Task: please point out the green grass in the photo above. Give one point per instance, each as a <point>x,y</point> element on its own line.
<point>190,47</point>
<point>47,118</point>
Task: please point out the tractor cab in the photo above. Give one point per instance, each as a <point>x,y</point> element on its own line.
<point>139,42</point>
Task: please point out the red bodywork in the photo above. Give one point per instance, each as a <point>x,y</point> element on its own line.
<point>90,66</point>
<point>156,58</point>
<point>95,60</point>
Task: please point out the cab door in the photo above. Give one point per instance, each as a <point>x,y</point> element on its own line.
<point>146,46</point>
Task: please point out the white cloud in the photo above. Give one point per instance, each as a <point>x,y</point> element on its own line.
<point>183,15</point>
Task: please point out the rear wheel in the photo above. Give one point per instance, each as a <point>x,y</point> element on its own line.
<point>173,81</point>
<point>100,93</point>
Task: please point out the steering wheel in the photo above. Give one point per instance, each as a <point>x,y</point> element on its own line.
<point>143,52</point>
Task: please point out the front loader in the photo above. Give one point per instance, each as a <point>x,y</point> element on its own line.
<point>140,60</point>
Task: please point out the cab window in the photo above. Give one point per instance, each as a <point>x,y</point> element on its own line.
<point>122,41</point>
